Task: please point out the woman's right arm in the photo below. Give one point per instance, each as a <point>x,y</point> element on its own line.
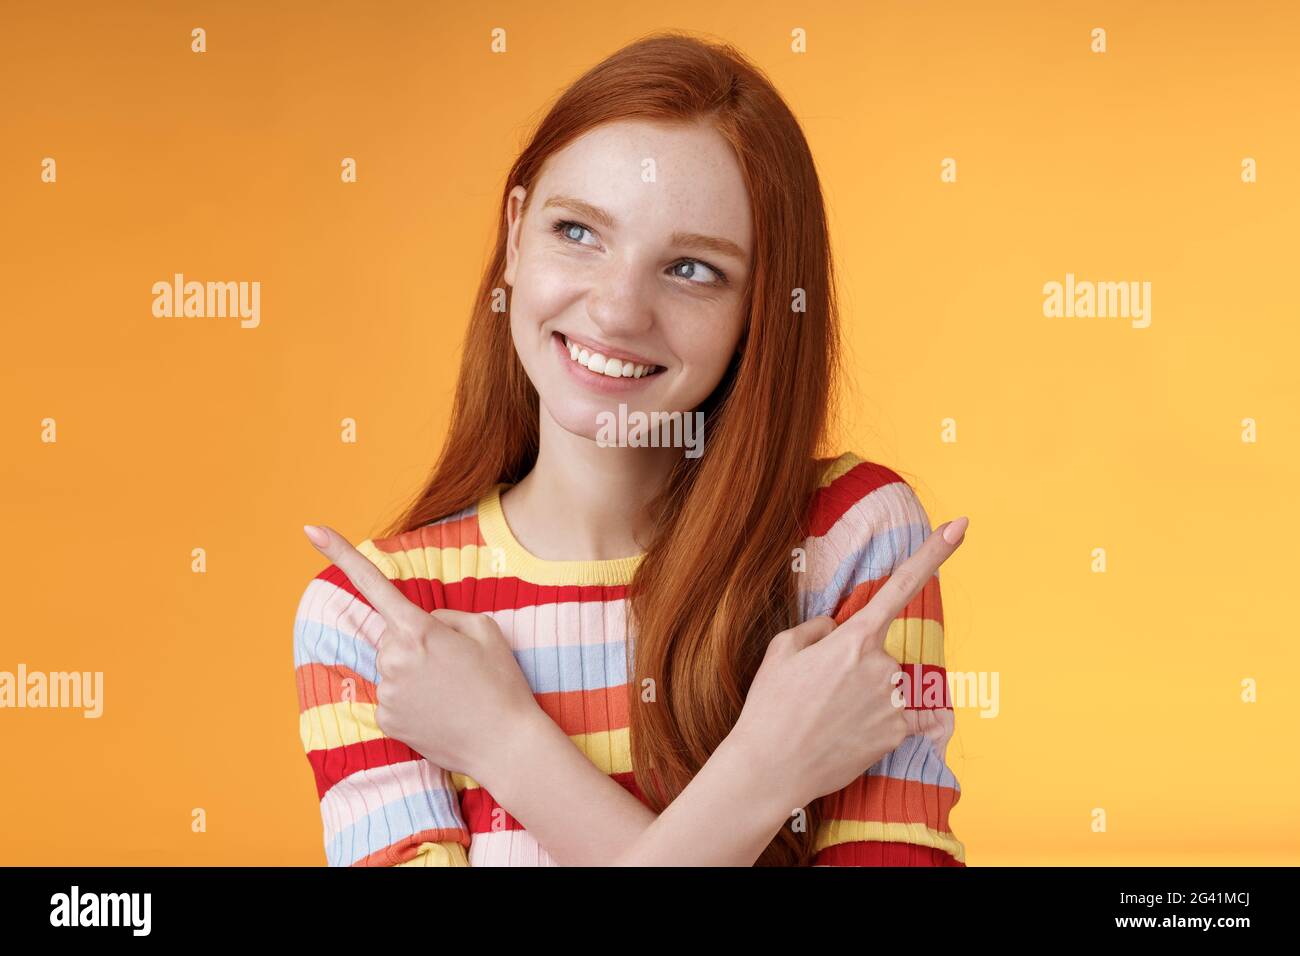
<point>381,803</point>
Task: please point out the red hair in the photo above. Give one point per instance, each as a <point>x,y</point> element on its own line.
<point>715,584</point>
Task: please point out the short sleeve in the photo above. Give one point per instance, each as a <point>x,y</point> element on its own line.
<point>865,520</point>
<point>381,803</point>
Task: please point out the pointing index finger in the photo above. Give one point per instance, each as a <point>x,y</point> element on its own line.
<point>382,594</point>
<point>906,581</point>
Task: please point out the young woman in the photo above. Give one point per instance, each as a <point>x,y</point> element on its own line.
<point>580,647</point>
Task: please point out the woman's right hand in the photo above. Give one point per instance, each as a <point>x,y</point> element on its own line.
<point>449,686</point>
<point>823,705</point>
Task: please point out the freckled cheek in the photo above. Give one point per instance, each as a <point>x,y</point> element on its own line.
<point>703,357</point>
<point>544,290</point>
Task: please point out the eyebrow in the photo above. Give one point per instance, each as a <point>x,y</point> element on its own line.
<point>689,240</point>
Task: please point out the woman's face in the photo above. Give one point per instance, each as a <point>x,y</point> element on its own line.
<point>628,271</point>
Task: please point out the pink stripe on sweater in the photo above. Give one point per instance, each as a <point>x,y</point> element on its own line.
<point>365,791</point>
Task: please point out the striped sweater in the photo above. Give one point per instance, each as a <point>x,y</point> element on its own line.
<point>382,804</point>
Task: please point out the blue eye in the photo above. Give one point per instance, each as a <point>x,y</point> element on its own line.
<point>565,227</point>
<point>696,264</point>
<point>571,231</point>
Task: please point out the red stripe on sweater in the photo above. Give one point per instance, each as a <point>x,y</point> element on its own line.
<point>830,502</point>
<point>881,799</point>
<point>408,848</point>
<point>479,809</point>
<point>928,602</point>
<point>587,711</point>
<point>883,853</point>
<point>923,684</point>
<point>504,594</point>
<point>320,684</point>
<point>336,763</point>
<point>480,595</point>
<point>448,534</point>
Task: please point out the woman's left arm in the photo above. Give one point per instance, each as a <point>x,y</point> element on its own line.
<point>454,694</point>
<point>459,699</point>
<point>897,813</point>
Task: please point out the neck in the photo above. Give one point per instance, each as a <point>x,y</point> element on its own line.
<point>582,502</point>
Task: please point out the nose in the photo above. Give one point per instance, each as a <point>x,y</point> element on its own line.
<point>620,304</point>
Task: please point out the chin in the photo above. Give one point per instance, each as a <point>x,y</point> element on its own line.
<point>581,419</point>
<point>581,415</point>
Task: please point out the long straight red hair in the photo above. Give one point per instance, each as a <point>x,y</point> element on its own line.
<point>716,583</point>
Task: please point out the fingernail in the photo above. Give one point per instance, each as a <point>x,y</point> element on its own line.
<point>954,530</point>
<point>315,535</point>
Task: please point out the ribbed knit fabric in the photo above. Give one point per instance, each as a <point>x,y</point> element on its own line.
<point>384,805</point>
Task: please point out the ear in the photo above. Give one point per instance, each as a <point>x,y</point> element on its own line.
<point>514,225</point>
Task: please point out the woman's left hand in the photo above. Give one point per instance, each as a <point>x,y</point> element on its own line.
<point>449,686</point>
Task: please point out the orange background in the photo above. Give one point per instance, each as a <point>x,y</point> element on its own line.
<point>1117,690</point>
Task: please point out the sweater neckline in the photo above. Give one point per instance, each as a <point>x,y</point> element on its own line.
<point>522,563</point>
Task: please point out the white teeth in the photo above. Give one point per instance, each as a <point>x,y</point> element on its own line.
<point>610,367</point>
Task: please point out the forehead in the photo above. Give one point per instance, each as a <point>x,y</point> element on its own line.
<point>654,177</point>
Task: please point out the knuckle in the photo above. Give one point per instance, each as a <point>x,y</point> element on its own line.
<point>898,727</point>
<point>881,663</point>
<point>394,658</point>
<point>857,652</point>
<point>406,629</point>
<point>821,625</point>
<point>905,578</point>
<point>870,619</point>
<point>771,653</point>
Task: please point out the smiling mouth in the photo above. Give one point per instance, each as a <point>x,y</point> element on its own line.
<point>609,367</point>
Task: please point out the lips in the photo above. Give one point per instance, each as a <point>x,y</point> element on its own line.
<point>612,365</point>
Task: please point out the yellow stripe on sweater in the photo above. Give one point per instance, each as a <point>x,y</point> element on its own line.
<point>337,725</point>
<point>327,726</point>
<point>609,750</point>
<point>446,565</point>
<point>915,640</point>
<point>833,832</point>
<point>438,854</point>
<point>840,466</point>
